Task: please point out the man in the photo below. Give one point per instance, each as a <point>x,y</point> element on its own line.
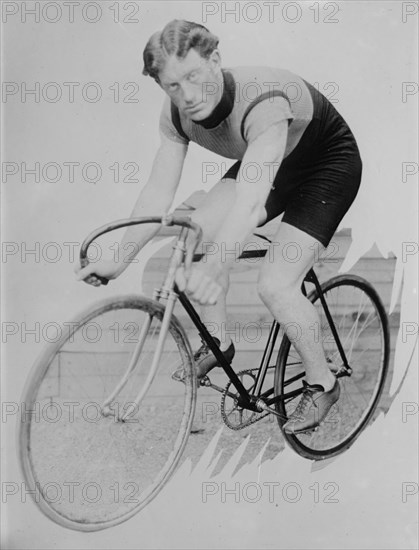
<point>308,166</point>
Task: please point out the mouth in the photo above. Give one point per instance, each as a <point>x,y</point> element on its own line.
<point>194,108</point>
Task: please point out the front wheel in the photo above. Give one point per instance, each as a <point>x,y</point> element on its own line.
<point>90,466</point>
<point>362,326</point>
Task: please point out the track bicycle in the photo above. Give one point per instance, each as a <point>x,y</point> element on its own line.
<point>108,424</point>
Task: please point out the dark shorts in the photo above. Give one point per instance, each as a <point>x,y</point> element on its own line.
<point>317,182</point>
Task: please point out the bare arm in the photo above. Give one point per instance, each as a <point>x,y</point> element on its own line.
<point>264,154</point>
<point>155,199</point>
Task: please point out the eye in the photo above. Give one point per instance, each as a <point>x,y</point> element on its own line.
<point>193,75</point>
<point>173,87</point>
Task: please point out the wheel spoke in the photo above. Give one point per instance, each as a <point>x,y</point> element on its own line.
<point>356,310</point>
<point>103,452</point>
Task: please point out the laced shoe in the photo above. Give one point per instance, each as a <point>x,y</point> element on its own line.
<point>312,409</point>
<point>205,361</point>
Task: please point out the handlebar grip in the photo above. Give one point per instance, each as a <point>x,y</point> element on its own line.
<point>103,280</point>
<point>85,262</point>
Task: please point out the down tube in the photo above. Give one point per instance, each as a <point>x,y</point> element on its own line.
<point>202,329</point>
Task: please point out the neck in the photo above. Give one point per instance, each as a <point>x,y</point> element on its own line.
<point>225,104</point>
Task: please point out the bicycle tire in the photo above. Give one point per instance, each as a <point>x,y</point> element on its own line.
<point>77,455</point>
<point>348,417</point>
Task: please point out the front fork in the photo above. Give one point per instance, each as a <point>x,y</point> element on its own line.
<point>167,293</point>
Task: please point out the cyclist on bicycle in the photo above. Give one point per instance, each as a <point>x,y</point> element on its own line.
<point>307,166</point>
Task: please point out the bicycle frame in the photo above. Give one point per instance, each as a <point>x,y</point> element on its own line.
<point>146,451</point>
<point>255,401</point>
<point>252,401</point>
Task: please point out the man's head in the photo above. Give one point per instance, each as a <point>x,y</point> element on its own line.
<point>183,59</point>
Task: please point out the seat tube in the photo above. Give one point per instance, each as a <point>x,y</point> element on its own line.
<point>267,354</point>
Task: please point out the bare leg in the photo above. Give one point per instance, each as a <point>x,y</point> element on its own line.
<point>209,216</point>
<point>292,255</point>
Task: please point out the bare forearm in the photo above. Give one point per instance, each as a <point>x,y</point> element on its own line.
<point>265,151</point>
<point>154,200</point>
<point>149,203</point>
<point>229,241</point>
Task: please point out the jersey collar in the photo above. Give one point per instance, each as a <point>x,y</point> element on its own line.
<point>224,106</point>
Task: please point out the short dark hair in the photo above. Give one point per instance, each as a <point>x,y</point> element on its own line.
<point>177,38</point>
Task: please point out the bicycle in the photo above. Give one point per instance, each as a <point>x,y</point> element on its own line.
<point>116,360</point>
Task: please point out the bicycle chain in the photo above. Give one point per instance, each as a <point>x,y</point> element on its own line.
<point>255,416</point>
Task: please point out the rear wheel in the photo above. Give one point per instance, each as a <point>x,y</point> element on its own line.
<point>362,326</point>
<point>88,468</point>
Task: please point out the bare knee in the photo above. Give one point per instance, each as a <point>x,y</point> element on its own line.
<point>274,289</point>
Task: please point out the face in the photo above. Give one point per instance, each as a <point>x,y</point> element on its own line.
<point>193,83</point>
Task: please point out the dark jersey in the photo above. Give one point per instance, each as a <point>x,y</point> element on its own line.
<point>320,173</point>
<point>253,99</point>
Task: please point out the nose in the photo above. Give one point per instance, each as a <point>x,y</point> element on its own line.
<point>188,94</point>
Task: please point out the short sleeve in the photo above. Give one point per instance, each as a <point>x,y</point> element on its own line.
<point>167,127</point>
<point>263,114</point>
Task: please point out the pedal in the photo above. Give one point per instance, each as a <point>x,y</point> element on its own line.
<point>305,432</point>
<point>205,381</point>
<point>263,407</point>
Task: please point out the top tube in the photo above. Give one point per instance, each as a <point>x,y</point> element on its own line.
<point>247,254</point>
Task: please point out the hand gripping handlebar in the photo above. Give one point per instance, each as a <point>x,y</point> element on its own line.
<point>168,220</point>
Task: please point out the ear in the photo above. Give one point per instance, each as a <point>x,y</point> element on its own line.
<point>215,59</point>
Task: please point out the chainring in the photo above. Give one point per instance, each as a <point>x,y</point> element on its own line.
<point>234,416</point>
